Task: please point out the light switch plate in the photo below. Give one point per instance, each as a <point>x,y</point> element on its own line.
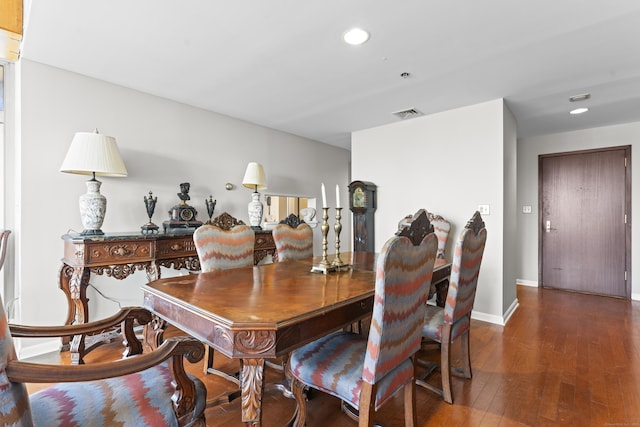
<point>484,209</point>
<point>526,209</point>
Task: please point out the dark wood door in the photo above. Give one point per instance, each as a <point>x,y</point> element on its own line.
<point>584,235</point>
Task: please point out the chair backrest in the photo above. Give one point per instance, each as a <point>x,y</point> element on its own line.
<point>4,237</point>
<point>415,226</point>
<point>14,399</point>
<point>293,239</point>
<point>441,227</point>
<point>226,221</point>
<point>220,249</point>
<point>465,267</point>
<point>403,277</point>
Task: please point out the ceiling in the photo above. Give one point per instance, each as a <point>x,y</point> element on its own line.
<point>283,64</point>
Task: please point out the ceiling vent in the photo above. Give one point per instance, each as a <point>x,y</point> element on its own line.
<point>407,114</point>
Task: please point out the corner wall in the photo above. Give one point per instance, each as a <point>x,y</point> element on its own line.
<point>448,163</point>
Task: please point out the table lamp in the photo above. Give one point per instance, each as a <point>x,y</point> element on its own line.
<point>92,153</point>
<point>254,179</point>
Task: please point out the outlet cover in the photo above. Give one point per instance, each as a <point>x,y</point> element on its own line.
<point>526,209</point>
<point>484,209</point>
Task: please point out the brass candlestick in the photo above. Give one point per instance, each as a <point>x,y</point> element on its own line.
<point>325,265</point>
<point>337,262</point>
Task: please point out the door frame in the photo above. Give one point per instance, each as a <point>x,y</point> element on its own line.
<point>627,262</point>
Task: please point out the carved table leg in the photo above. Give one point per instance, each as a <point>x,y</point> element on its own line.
<point>252,383</point>
<point>64,276</point>
<point>73,281</point>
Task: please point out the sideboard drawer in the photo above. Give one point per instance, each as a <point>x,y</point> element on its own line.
<point>101,253</point>
<point>176,247</point>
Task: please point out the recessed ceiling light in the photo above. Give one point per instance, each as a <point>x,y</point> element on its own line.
<point>356,36</point>
<point>579,111</point>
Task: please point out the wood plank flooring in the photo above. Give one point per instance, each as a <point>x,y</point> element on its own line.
<point>563,359</point>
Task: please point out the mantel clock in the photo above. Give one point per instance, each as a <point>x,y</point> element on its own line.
<point>362,203</point>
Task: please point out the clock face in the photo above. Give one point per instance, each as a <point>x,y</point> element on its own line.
<point>186,214</point>
<point>358,198</point>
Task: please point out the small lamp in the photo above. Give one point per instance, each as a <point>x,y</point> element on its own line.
<point>92,153</point>
<point>254,179</point>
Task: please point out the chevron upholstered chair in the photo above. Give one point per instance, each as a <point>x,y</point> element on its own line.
<point>134,391</point>
<point>222,249</point>
<point>293,239</point>
<point>446,324</point>
<point>440,226</point>
<point>366,372</point>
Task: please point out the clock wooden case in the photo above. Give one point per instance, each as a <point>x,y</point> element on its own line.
<point>362,203</point>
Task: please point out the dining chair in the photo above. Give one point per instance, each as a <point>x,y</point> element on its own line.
<point>444,325</point>
<point>222,249</point>
<point>363,371</point>
<point>441,227</point>
<point>151,388</point>
<point>293,238</point>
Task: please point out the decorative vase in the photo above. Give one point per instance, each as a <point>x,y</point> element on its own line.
<point>93,206</point>
<point>255,211</point>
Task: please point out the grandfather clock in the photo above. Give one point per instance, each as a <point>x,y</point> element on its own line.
<point>362,202</point>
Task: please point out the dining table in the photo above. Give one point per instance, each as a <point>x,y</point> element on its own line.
<point>266,311</point>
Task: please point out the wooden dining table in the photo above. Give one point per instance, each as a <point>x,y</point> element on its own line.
<point>266,311</point>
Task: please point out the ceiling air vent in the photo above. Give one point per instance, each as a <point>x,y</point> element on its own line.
<point>407,114</point>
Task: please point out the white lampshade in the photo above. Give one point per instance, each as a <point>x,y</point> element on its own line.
<point>254,177</point>
<point>93,152</point>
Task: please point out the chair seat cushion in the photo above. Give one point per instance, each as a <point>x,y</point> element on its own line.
<point>334,364</point>
<point>434,320</point>
<point>117,401</point>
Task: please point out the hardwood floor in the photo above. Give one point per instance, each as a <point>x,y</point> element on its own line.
<point>563,359</point>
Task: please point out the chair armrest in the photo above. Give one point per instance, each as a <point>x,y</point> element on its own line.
<point>141,315</point>
<point>175,348</point>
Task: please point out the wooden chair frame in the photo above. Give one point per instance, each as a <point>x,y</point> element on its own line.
<point>186,404</point>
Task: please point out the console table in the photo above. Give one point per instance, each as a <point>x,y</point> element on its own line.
<point>119,255</point>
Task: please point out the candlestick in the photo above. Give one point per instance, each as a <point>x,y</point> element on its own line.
<point>324,266</point>
<point>337,196</point>
<point>324,196</point>
<point>337,262</point>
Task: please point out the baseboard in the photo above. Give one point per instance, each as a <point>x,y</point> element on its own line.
<point>635,297</point>
<point>532,283</point>
<point>512,308</point>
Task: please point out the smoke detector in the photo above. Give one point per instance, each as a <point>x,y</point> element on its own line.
<point>407,114</point>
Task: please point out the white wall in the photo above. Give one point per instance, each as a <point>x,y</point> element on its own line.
<point>163,143</point>
<point>528,151</point>
<point>510,178</point>
<point>448,163</point>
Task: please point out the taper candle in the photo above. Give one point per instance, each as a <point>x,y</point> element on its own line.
<point>324,196</point>
<point>337,196</point>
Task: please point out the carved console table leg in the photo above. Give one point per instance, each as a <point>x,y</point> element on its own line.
<point>153,271</point>
<point>73,282</point>
<point>252,383</point>
<point>154,332</point>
